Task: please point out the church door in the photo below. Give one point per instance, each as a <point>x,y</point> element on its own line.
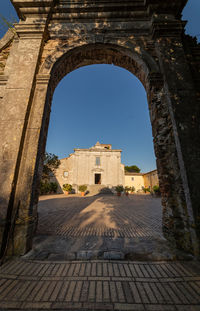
<point>97,179</point>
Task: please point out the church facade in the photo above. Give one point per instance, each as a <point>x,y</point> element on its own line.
<point>98,167</point>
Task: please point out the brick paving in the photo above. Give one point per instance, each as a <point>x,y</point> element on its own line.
<point>133,216</point>
<point>99,285</point>
<point>100,227</point>
<point>32,284</point>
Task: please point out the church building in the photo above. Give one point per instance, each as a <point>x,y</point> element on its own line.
<point>99,167</point>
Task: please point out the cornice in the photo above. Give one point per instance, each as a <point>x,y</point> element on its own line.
<point>87,10</point>
<point>32,8</point>
<point>167,28</point>
<point>30,31</point>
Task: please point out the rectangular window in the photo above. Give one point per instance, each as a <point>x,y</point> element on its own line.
<point>97,160</point>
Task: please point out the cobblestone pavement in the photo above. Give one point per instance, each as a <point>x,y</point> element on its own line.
<point>100,227</point>
<point>100,285</point>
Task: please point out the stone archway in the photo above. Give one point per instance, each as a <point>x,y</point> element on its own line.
<point>45,48</point>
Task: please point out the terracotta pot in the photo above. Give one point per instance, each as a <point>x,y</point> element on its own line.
<point>119,194</point>
<point>127,193</point>
<point>82,194</point>
<point>66,192</point>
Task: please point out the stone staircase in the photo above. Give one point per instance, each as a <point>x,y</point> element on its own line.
<point>99,189</point>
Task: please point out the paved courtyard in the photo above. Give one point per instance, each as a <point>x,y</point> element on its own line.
<point>100,285</point>
<point>101,215</point>
<point>100,227</point>
<point>106,227</point>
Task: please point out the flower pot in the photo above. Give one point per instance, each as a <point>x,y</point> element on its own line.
<point>119,194</point>
<point>82,194</point>
<point>127,193</point>
<point>66,192</point>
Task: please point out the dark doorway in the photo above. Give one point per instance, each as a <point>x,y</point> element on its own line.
<point>97,178</point>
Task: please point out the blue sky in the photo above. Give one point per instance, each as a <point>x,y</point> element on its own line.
<point>104,103</point>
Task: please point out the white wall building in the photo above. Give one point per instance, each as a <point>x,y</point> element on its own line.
<point>98,165</point>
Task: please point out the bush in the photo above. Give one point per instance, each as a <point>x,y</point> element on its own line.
<point>67,187</point>
<point>127,189</point>
<point>53,187</point>
<point>48,187</point>
<point>119,188</point>
<point>156,190</point>
<point>132,189</point>
<point>82,188</point>
<point>146,189</point>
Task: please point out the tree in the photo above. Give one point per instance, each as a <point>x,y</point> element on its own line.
<point>51,163</point>
<point>132,168</point>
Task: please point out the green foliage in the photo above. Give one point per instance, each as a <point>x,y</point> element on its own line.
<point>48,187</point>
<point>51,163</point>
<point>156,190</point>
<point>53,187</point>
<point>146,189</point>
<point>132,168</point>
<point>132,189</point>
<point>127,189</point>
<point>119,188</point>
<point>82,188</point>
<point>67,187</point>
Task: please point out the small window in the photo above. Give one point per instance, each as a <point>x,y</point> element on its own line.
<point>132,178</point>
<point>97,160</point>
<point>65,174</point>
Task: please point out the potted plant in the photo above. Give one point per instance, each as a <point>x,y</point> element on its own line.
<point>67,188</point>
<point>119,189</point>
<point>132,189</point>
<point>145,189</point>
<point>156,190</point>
<point>82,189</point>
<point>127,189</point>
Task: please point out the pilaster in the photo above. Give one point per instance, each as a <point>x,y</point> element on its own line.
<point>15,107</point>
<point>182,105</point>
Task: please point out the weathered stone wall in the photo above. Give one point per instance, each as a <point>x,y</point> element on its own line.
<point>145,37</point>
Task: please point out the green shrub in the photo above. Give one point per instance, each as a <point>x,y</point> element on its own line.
<point>53,187</point>
<point>119,188</point>
<point>82,188</point>
<point>146,189</point>
<point>156,190</point>
<point>132,189</point>
<point>67,187</point>
<point>127,189</point>
<point>48,187</point>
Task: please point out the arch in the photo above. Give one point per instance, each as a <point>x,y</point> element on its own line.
<point>64,60</point>
<point>149,42</point>
<point>133,58</point>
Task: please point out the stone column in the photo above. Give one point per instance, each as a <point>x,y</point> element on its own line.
<point>175,125</point>
<point>21,69</point>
